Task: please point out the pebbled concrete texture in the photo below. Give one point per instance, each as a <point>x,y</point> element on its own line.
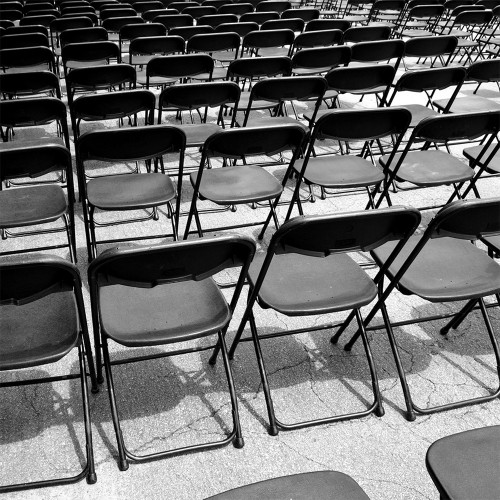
<point>177,401</point>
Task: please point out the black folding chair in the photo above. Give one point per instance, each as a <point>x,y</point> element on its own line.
<point>29,84</point>
<point>306,271</point>
<point>21,208</point>
<point>142,50</point>
<point>199,97</point>
<point>135,191</point>
<point>82,55</point>
<point>42,319</point>
<point>320,485</point>
<point>27,59</point>
<point>350,169</point>
<point>161,296</point>
<point>234,184</point>
<point>428,167</point>
<point>465,465</point>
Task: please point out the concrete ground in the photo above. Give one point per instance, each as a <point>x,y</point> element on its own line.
<point>172,402</point>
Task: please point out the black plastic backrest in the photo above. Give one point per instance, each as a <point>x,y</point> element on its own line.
<point>123,12</point>
<point>94,77</point>
<point>323,38</point>
<point>270,38</point>
<point>473,17</point>
<point>18,30</point>
<point>113,105</point>
<point>131,143</point>
<point>42,20</point>
<point>157,45</point>
<point>70,23</point>
<point>34,161</point>
<point>367,34</point>
<point>175,21</point>
<point>484,71</point>
<point>24,40</point>
<point>289,88</point>
<point>215,19</point>
<point>29,112</point>
<point>198,95</point>
<point>29,56</point>
<point>273,6</point>
<point>250,141</point>
<point>131,31</point>
<point>189,31</point>
<point>305,13</point>
<point>213,42</point>
<point>90,51</point>
<point>362,124</point>
<point>357,78</point>
<point>236,8</point>
<point>255,67</point>
<point>199,11</point>
<point>182,5</point>
<point>328,24</point>
<point>427,11</point>
<point>321,57</point>
<point>378,50</point>
<point>430,45</point>
<point>240,28</point>
<point>170,263</point>
<point>430,79</point>
<point>345,232</point>
<point>293,23</point>
<point>457,126</point>
<point>259,17</point>
<point>179,66</point>
<point>114,24</point>
<point>467,219</point>
<point>28,279</point>
<point>151,15</point>
<point>79,35</point>
<point>32,82</point>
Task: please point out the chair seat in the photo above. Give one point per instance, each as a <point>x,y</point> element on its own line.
<point>245,99</point>
<point>278,120</point>
<point>494,164</point>
<point>130,191</point>
<point>419,112</point>
<point>298,285</point>
<point>31,205</point>
<point>85,64</point>
<point>465,465</point>
<point>320,485</point>
<point>311,71</point>
<point>46,340</point>
<point>472,104</point>
<point>197,133</point>
<point>163,314</point>
<point>240,184</point>
<point>274,51</point>
<point>337,171</point>
<point>446,269</point>
<point>430,168</point>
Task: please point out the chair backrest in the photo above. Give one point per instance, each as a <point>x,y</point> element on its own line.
<point>131,143</point>
<point>114,24</point>
<point>357,34</point>
<point>33,112</point>
<point>238,143</point>
<point>118,12</point>
<point>80,35</point>
<point>175,21</point>
<point>377,51</point>
<point>484,71</point>
<point>179,66</point>
<point>258,17</point>
<point>295,24</point>
<point>273,6</point>
<point>263,39</point>
<point>192,260</point>
<point>214,42</point>
<point>68,23</point>
<point>151,15</point>
<point>29,83</point>
<point>199,10</point>
<point>35,160</point>
<point>187,32</point>
<point>323,235</point>
<point>132,31</point>
<point>473,18</point>
<point>305,13</point>
<point>311,39</point>
<point>42,20</point>
<point>24,40</point>
<point>18,30</point>
<point>26,57</point>
<point>240,28</point>
<point>258,67</point>
<point>156,45</point>
<point>430,46</point>
<point>90,52</point>
<point>328,24</point>
<point>215,20</point>
<point>322,57</point>
<point>236,8</point>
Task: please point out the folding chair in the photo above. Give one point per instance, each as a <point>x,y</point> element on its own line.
<point>386,51</point>
<point>439,47</point>
<point>175,21</point>
<point>161,296</point>
<point>465,465</point>
<point>427,82</point>
<point>306,271</point>
<point>296,24</point>
<point>27,59</point>
<point>420,20</point>
<point>113,25</point>
<point>21,208</point>
<point>82,55</point>
<point>350,169</point>
<point>187,32</point>
<point>42,320</point>
<point>321,38</point>
<point>234,184</point>
<point>275,93</point>
<point>478,73</point>
<point>328,24</point>
<point>305,13</point>
<point>119,105</point>
<point>442,266</point>
<point>142,50</point>
<point>435,167</point>
<point>271,43</point>
<point>150,15</point>
<point>199,97</point>
<point>129,32</point>
<point>321,485</point>
<point>386,13</point>
<point>116,192</point>
<point>38,111</point>
<point>357,34</point>
<point>319,60</point>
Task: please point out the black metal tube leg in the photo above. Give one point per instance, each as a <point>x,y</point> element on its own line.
<point>459,317</point>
